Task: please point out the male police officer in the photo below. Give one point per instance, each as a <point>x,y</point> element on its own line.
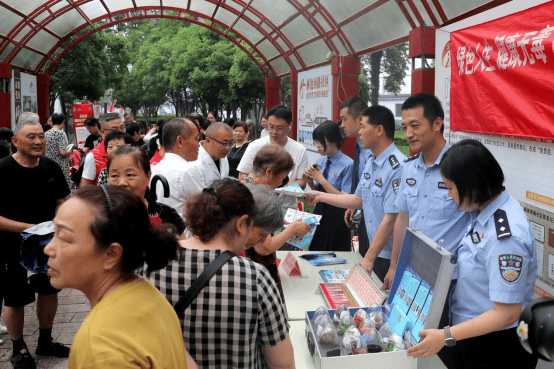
<point>423,198</point>
<point>377,189</point>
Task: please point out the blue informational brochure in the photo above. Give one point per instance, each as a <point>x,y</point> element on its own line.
<point>407,291</point>
<point>422,318</point>
<point>398,321</point>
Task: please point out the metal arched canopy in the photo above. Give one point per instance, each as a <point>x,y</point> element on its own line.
<point>284,34</point>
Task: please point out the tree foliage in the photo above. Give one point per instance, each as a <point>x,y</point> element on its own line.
<point>192,66</point>
<point>95,65</point>
<point>392,63</point>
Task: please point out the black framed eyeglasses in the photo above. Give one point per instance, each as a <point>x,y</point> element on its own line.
<point>226,145</point>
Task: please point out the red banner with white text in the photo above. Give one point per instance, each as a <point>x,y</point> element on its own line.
<point>503,75</point>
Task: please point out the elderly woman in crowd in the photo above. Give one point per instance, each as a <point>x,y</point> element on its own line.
<point>271,167</point>
<point>129,168</point>
<point>101,236</point>
<point>237,320</point>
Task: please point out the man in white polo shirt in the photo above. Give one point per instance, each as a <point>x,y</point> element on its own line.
<point>279,119</point>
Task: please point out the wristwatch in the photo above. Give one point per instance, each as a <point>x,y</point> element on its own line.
<point>448,340</point>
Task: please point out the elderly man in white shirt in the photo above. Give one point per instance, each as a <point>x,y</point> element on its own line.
<point>212,163</point>
<point>278,125</point>
<point>181,141</point>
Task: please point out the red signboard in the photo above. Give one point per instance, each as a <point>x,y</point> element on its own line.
<point>503,75</point>
<point>80,113</point>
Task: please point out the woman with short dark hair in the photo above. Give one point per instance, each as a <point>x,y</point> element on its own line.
<point>240,131</point>
<point>102,235</point>
<point>238,319</point>
<point>497,267</point>
<point>331,173</point>
<point>113,140</point>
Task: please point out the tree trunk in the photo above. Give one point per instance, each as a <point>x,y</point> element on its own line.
<point>374,81</point>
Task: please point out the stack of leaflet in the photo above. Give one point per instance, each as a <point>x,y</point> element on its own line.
<point>411,304</point>
<point>302,243</point>
<point>293,190</point>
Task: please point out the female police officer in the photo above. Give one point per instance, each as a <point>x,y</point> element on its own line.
<point>497,264</point>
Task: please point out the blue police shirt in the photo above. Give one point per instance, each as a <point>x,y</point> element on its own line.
<point>378,187</point>
<point>424,196</point>
<point>492,269</point>
<point>340,171</point>
<point>365,154</point>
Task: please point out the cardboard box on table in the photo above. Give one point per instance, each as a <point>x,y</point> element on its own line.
<point>433,264</point>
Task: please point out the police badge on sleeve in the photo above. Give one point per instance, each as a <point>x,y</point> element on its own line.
<point>510,266</point>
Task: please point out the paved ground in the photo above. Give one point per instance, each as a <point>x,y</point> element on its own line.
<point>72,309</point>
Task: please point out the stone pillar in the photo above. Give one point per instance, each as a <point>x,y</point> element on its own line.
<point>43,97</point>
<point>294,103</point>
<point>5,96</point>
<point>272,92</point>
<point>345,71</point>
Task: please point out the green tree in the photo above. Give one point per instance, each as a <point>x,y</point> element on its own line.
<point>392,62</point>
<point>95,65</point>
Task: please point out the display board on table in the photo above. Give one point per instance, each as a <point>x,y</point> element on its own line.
<point>527,162</point>
<point>315,103</point>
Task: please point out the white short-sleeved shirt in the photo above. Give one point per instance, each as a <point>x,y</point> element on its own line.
<point>203,172</point>
<point>296,150</point>
<point>173,168</point>
<point>89,169</point>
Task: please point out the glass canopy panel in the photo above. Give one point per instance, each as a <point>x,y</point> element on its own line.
<point>323,23</point>
<point>116,5</point>
<point>203,7</point>
<point>24,6</point>
<point>252,16</point>
<point>225,16</point>
<point>280,65</point>
<point>251,33</point>
<point>66,22</point>
<point>175,3</point>
<point>282,44</point>
<point>295,61</point>
<point>27,59</point>
<point>59,5</point>
<point>299,30</point>
<point>277,11</point>
<point>94,9</point>
<point>141,3</point>
<point>375,26</point>
<point>22,33</point>
<point>266,27</point>
<point>423,12</point>
<point>42,41</point>
<point>454,8</point>
<point>41,16</point>
<point>340,10</point>
<point>267,49</point>
<point>339,45</point>
<point>234,5</point>
<point>314,53</point>
<point>9,21</point>
<point>7,51</point>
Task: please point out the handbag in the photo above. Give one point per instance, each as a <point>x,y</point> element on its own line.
<point>202,280</point>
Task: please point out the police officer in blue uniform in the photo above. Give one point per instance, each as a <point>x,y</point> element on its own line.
<point>351,117</point>
<point>377,189</point>
<point>423,199</point>
<point>497,267</point>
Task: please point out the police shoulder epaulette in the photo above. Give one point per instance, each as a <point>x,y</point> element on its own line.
<point>413,157</point>
<point>393,162</point>
<point>502,225</point>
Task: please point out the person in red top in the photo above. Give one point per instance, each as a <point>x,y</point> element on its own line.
<point>97,159</point>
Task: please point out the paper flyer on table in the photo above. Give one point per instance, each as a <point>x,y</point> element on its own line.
<point>302,243</point>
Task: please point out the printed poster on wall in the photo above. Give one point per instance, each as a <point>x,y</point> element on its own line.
<point>17,94</point>
<point>315,103</point>
<point>527,163</point>
<point>80,113</point>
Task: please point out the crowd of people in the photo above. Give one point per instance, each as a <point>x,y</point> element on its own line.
<point>171,228</point>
